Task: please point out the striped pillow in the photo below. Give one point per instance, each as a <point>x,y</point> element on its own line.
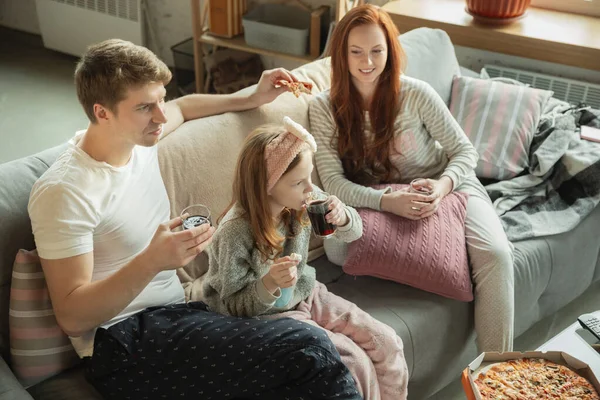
<point>39,348</point>
<point>500,119</point>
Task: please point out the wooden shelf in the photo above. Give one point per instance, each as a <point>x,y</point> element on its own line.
<point>544,35</point>
<point>239,43</point>
<point>201,37</point>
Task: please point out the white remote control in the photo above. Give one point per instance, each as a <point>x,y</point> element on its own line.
<point>590,323</point>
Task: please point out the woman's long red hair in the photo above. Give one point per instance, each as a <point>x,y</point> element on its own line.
<point>356,154</point>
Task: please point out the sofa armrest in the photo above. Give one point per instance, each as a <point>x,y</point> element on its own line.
<point>10,388</point>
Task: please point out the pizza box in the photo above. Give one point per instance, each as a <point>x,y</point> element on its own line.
<point>485,359</point>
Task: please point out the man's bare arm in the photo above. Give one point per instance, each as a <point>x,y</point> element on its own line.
<point>81,305</point>
<point>196,106</point>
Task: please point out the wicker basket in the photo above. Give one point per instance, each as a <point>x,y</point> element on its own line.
<point>498,8</point>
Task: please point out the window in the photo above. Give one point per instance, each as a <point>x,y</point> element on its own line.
<point>587,7</point>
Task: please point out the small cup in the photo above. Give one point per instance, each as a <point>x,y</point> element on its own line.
<point>418,189</point>
<point>317,208</point>
<point>197,214</point>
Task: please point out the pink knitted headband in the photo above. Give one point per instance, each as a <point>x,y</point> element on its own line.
<point>282,150</point>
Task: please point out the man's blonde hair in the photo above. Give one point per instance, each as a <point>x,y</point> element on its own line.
<point>108,69</point>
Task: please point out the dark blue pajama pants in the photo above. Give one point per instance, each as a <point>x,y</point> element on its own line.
<point>186,351</point>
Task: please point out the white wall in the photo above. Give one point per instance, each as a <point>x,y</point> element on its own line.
<point>19,14</point>
<point>171,23</point>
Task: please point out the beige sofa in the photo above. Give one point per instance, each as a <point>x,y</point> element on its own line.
<point>197,163</point>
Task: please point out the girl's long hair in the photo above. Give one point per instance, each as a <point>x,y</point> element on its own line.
<point>250,193</point>
<point>356,153</point>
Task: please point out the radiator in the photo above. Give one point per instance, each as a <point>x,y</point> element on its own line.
<point>70,26</point>
<point>569,90</point>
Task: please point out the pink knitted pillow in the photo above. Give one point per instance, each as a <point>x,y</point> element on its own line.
<point>429,254</point>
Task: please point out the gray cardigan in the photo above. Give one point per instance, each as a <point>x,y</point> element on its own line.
<point>233,284</point>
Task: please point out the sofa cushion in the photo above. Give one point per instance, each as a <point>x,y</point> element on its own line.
<point>434,330</point>
<point>437,332</point>
<point>500,119</point>
<point>69,385</point>
<point>429,254</point>
<point>430,57</point>
<point>38,346</point>
<point>571,252</point>
<point>17,178</point>
<point>10,388</point>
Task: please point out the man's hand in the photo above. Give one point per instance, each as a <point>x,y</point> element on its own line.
<point>171,250</point>
<point>266,91</point>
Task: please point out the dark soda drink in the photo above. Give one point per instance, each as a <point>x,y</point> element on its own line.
<point>317,210</point>
<point>195,215</point>
<point>195,220</point>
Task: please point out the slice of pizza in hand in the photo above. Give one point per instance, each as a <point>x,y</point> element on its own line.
<point>295,87</point>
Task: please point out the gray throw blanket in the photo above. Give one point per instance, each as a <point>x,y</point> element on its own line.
<point>561,185</point>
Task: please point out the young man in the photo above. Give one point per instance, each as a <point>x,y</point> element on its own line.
<point>100,218</point>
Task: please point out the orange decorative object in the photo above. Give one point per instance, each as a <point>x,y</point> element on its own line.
<point>498,8</point>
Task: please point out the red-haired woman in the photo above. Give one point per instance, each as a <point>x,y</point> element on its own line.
<point>376,125</point>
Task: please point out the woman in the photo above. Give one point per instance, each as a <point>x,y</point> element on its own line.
<point>376,125</point>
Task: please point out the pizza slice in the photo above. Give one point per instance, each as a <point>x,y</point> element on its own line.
<point>295,87</point>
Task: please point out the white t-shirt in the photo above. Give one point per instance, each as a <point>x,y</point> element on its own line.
<point>81,205</point>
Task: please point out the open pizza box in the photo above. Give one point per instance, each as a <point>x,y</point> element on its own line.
<point>486,359</point>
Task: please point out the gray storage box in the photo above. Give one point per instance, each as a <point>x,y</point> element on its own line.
<point>278,27</point>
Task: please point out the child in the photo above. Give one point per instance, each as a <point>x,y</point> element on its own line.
<point>261,247</point>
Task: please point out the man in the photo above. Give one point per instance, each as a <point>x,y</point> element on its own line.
<point>109,253</point>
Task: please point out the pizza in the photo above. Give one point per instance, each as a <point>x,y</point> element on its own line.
<point>533,378</point>
<point>295,87</point>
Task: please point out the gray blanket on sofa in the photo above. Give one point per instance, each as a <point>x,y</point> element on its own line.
<point>562,183</point>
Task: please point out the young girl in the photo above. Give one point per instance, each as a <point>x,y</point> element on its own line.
<point>375,125</point>
<point>260,248</point>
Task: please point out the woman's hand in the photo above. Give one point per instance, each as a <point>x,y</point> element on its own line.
<point>337,214</point>
<point>439,189</point>
<point>405,204</point>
